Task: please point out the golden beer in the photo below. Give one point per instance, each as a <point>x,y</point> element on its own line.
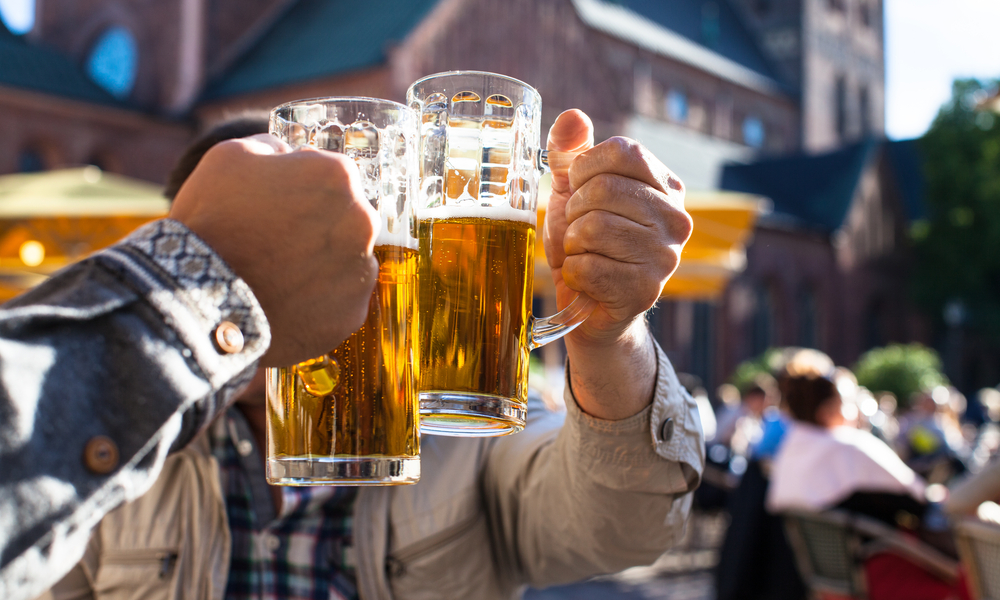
<point>354,413</point>
<point>474,308</point>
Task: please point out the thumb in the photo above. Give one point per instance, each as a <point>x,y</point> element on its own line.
<point>572,133</point>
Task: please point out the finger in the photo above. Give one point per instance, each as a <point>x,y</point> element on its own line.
<point>634,201</point>
<point>622,289</point>
<point>613,236</point>
<point>263,144</point>
<point>572,133</point>
<point>628,158</point>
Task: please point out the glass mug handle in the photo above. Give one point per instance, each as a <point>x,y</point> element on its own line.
<point>548,329</point>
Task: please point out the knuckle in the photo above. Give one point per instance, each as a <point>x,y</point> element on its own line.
<point>685,225</point>
<point>589,226</point>
<point>625,148</point>
<point>602,185</point>
<point>225,150</point>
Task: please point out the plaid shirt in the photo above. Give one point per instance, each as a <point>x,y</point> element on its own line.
<point>303,553</point>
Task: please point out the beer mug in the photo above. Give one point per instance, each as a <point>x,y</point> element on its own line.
<point>351,416</point>
<point>480,163</point>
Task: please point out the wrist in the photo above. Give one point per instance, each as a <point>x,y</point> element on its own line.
<point>613,380</point>
<point>628,335</point>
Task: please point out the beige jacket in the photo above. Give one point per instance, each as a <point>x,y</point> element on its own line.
<point>568,498</point>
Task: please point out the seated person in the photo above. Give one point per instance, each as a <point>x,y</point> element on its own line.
<point>823,464</point>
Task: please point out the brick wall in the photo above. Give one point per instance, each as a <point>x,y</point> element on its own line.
<point>68,134</point>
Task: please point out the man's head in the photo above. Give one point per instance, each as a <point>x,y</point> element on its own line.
<point>239,126</point>
<point>761,394</point>
<point>809,390</point>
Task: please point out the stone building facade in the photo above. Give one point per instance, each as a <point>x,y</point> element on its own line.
<point>706,84</point>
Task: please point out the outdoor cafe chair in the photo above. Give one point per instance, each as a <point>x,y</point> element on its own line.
<point>979,550</point>
<point>831,547</point>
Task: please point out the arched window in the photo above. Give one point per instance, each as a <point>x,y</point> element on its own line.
<point>677,106</point>
<point>114,61</point>
<point>30,161</point>
<point>808,314</point>
<point>753,132</point>
<point>18,15</point>
<point>762,334</point>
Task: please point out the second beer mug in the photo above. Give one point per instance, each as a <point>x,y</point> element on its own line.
<point>351,415</point>
<point>480,166</point>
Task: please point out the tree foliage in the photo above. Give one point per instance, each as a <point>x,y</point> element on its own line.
<point>768,363</point>
<point>958,246</point>
<point>902,369</point>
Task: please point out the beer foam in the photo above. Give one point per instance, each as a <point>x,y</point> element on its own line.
<point>501,212</point>
<point>402,236</point>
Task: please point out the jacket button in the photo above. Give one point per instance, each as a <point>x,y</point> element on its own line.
<point>229,337</point>
<point>100,455</point>
<point>667,430</point>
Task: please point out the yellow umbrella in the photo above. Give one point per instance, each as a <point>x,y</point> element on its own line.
<point>723,223</point>
<point>49,220</point>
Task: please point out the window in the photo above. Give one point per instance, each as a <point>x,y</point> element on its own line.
<point>113,62</point>
<point>865,12</point>
<point>762,332</point>
<point>677,106</point>
<point>703,342</point>
<point>808,314</point>
<point>30,161</point>
<point>18,15</point>
<point>753,132</point>
<point>840,100</point>
<point>865,109</point>
<point>875,324</point>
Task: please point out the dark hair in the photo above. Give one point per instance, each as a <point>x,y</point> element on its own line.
<point>242,125</point>
<point>763,385</point>
<point>806,383</point>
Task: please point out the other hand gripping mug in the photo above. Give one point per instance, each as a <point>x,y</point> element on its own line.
<point>351,416</point>
<point>476,208</point>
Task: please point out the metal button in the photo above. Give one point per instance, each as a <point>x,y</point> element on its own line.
<point>272,542</point>
<point>100,455</point>
<point>667,430</point>
<point>229,337</point>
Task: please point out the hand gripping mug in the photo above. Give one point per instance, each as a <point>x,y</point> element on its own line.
<point>351,416</point>
<point>480,163</point>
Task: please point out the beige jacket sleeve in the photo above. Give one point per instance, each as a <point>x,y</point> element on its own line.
<point>599,497</point>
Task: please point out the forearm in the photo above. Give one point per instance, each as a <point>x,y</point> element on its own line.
<point>106,366</point>
<point>613,379</point>
<point>604,495</point>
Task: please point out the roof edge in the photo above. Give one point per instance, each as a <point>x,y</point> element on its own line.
<point>626,25</point>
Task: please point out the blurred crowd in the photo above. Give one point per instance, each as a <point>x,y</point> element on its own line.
<point>807,437</point>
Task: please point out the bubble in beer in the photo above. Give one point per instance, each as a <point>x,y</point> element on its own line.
<point>499,100</point>
<point>329,135</point>
<point>319,376</point>
<point>465,97</point>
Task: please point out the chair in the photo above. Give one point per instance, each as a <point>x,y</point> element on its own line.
<point>979,549</point>
<point>831,547</point>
